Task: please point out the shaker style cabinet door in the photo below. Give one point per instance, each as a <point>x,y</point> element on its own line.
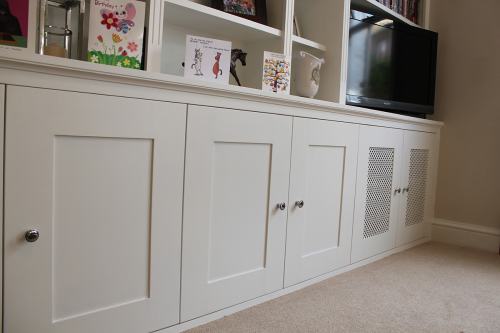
<point>2,117</point>
<point>377,191</point>
<point>322,191</point>
<point>416,182</point>
<point>237,169</point>
<point>93,212</point>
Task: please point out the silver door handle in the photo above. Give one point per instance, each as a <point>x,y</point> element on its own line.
<point>32,235</point>
<point>281,206</point>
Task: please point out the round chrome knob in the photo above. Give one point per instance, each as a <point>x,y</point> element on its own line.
<point>406,190</point>
<point>31,235</point>
<point>397,191</point>
<point>281,206</point>
<point>299,203</point>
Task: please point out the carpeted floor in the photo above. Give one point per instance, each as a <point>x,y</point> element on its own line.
<point>430,288</point>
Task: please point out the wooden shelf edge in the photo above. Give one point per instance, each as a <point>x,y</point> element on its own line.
<point>309,43</point>
<point>209,11</point>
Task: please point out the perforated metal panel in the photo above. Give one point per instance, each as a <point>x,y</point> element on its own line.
<point>379,191</point>
<point>415,209</point>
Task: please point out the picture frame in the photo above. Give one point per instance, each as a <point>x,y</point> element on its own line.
<point>254,10</point>
<point>14,23</point>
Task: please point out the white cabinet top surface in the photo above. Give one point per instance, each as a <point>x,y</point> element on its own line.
<point>198,91</point>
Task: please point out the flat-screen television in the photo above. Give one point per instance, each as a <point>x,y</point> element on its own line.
<point>392,65</point>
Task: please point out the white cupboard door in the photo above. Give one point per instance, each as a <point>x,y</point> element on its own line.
<point>237,169</point>
<point>100,178</point>
<point>377,191</point>
<point>322,190</point>
<point>2,117</point>
<point>416,214</point>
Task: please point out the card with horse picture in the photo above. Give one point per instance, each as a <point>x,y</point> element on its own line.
<point>207,59</point>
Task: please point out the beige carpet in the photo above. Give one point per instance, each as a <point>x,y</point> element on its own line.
<point>431,288</point>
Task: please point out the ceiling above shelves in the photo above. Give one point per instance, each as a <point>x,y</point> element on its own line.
<point>215,22</point>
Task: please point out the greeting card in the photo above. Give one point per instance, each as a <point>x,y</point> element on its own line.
<point>116,32</point>
<point>276,73</point>
<point>207,59</point>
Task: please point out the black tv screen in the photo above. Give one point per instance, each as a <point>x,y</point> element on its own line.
<point>392,65</point>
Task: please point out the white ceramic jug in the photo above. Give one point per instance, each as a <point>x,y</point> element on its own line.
<point>307,69</point>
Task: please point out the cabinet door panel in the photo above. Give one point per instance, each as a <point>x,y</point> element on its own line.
<point>2,118</point>
<point>417,169</point>
<point>101,179</point>
<point>377,202</point>
<point>323,175</point>
<point>237,169</point>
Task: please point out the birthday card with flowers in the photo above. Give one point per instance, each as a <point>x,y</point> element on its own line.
<point>116,32</point>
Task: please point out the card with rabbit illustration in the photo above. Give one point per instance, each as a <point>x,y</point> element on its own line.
<point>116,32</point>
<point>207,59</point>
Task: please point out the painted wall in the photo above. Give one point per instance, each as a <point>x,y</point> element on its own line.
<point>468,101</point>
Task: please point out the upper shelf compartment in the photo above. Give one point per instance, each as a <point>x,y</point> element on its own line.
<point>186,13</point>
<point>377,8</point>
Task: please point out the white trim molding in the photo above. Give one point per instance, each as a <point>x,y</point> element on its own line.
<point>466,234</point>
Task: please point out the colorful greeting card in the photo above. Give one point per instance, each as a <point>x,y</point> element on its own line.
<point>276,73</point>
<point>14,16</point>
<point>116,32</point>
<point>207,59</point>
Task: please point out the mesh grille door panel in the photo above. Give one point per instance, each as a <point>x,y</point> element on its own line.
<point>415,209</point>
<point>379,191</point>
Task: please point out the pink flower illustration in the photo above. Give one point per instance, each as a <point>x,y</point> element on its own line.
<point>109,20</point>
<point>132,46</point>
<point>100,39</point>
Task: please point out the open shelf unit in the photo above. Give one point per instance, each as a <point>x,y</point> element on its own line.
<point>324,32</point>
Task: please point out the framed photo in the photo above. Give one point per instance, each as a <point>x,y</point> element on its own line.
<point>254,10</point>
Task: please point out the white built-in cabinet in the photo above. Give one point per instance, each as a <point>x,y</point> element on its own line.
<point>419,162</point>
<point>393,191</point>
<point>2,118</point>
<point>100,179</point>
<point>322,185</point>
<point>237,170</point>
<point>145,214</point>
<point>239,192</point>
